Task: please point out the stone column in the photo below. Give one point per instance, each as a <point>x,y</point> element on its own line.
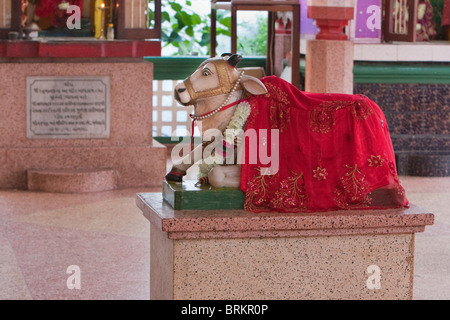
<point>329,58</point>
<point>282,41</point>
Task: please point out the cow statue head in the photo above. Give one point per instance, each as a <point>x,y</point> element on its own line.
<point>211,89</point>
<point>216,82</point>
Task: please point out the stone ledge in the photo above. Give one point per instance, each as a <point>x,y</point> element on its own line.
<point>72,181</point>
<point>202,224</point>
<point>78,48</point>
<point>433,51</point>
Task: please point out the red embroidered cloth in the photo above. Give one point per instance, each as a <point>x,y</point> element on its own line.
<point>335,152</point>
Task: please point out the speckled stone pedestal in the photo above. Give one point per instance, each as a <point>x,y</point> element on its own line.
<point>130,151</point>
<point>234,254</point>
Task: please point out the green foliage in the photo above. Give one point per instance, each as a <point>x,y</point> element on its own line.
<point>185,30</point>
<point>438,9</point>
<point>254,45</point>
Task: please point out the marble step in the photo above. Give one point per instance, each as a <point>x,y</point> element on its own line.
<point>71,180</point>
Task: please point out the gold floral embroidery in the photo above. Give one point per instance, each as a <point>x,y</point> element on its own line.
<point>375,161</point>
<point>279,95</point>
<point>322,119</point>
<point>361,110</point>
<point>352,189</point>
<point>320,173</point>
<point>291,194</point>
<point>256,192</point>
<point>279,108</point>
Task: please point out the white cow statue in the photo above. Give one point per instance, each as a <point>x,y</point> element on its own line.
<point>328,151</point>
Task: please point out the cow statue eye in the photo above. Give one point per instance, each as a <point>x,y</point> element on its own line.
<point>206,73</point>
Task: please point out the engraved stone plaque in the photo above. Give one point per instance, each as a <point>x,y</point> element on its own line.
<point>68,107</point>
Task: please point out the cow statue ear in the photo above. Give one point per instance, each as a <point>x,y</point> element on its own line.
<point>253,85</point>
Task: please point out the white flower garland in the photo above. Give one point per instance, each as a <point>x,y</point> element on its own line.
<point>235,126</point>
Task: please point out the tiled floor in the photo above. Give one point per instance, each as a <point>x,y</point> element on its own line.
<point>105,234</point>
<point>42,234</point>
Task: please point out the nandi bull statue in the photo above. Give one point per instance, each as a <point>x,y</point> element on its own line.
<point>327,151</point>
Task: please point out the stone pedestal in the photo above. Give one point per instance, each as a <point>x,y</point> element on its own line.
<point>125,156</point>
<point>234,254</point>
<point>329,66</point>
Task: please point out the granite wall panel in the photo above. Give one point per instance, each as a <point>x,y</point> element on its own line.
<point>418,116</point>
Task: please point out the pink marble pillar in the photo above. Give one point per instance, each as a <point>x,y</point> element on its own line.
<point>329,66</point>
<point>329,58</point>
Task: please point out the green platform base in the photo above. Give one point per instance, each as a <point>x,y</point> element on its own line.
<point>186,196</point>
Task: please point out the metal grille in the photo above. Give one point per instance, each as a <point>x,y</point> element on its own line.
<point>169,118</point>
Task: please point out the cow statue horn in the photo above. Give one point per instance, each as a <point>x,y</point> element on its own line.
<point>234,59</point>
